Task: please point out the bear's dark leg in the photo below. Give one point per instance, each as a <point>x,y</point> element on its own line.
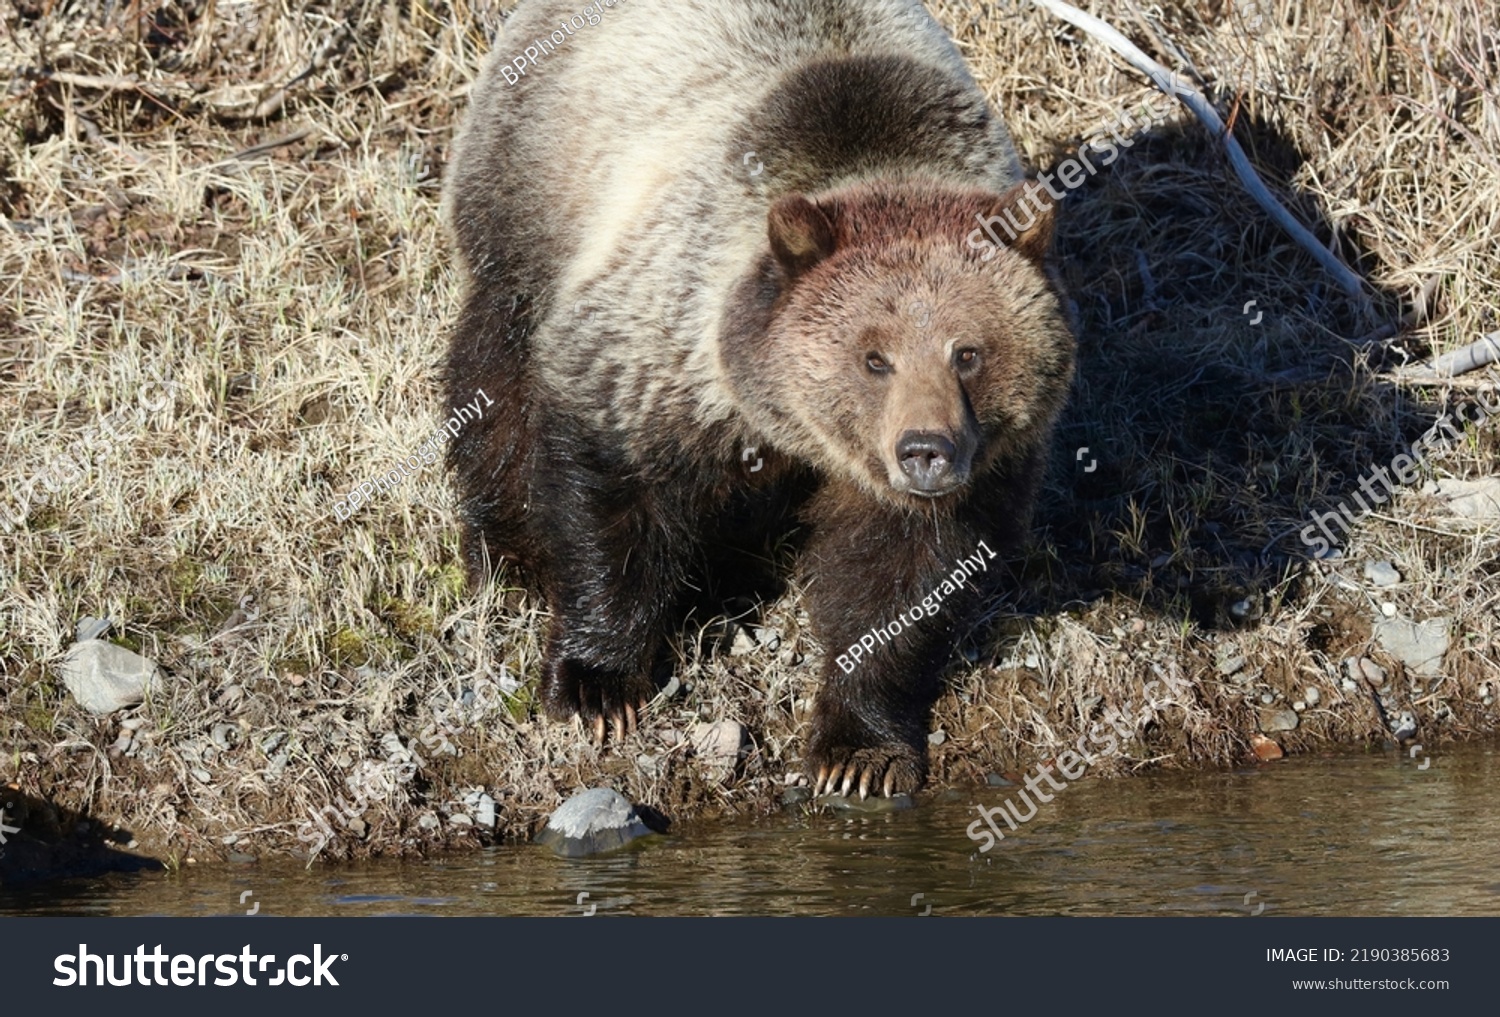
<point>492,456</point>
<point>616,555</point>
<point>870,570</point>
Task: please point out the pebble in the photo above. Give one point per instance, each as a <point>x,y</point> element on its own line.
<point>1264,748</point>
<point>225,736</point>
<point>1406,726</point>
<point>593,821</point>
<point>1311,695</point>
<point>1299,706</point>
<point>796,795</point>
<point>716,746</point>
<point>937,737</point>
<point>460,819</point>
<point>104,677</point>
<point>743,642</point>
<point>484,812</point>
<point>1267,698</point>
<point>874,803</point>
<point>202,775</point>
<point>1388,609</point>
<point>1382,573</point>
<point>1033,661</point>
<point>1281,720</point>
<point>1231,666</point>
<point>1372,672</point>
<point>426,821</point>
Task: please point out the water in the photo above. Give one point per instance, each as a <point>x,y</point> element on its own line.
<point>1366,834</point>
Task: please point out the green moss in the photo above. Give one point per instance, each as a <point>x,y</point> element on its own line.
<point>350,647</point>
<point>407,620</point>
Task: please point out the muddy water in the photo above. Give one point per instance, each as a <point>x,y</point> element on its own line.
<point>1368,834</point>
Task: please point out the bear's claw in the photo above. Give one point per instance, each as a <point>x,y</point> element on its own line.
<point>598,699</point>
<point>891,769</point>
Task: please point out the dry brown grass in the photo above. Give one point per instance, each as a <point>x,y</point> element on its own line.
<point>298,296</point>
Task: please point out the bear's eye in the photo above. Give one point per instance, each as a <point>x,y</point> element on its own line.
<point>876,363</point>
<point>966,358</point>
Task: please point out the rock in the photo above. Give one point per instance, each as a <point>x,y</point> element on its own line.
<point>1382,573</point>
<point>717,747</point>
<point>796,796</point>
<point>1469,499</point>
<point>460,819</point>
<point>484,812</point>
<point>1231,665</point>
<point>1033,661</point>
<point>91,628</point>
<point>427,821</point>
<point>874,803</point>
<point>1371,672</point>
<point>1281,720</point>
<point>1267,698</point>
<point>104,677</point>
<point>743,642</point>
<point>1264,748</point>
<point>593,821</point>
<point>1405,727</point>
<point>1418,645</point>
<point>225,736</point>
<point>649,765</point>
<point>937,737</point>
<point>1311,695</point>
<point>1388,609</point>
<point>202,775</point>
<point>1299,706</point>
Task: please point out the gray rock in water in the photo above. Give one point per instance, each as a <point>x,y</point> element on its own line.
<point>874,803</point>
<point>1382,573</point>
<point>796,796</point>
<point>104,677</point>
<point>591,822</point>
<point>1418,645</point>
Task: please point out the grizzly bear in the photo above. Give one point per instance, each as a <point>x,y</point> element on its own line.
<point>718,258</point>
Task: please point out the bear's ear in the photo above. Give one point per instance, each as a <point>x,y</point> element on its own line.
<point>801,235</point>
<point>1028,209</point>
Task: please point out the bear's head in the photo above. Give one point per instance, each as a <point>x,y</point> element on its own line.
<point>897,351</point>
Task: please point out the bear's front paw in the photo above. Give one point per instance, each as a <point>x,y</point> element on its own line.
<point>891,769</point>
<point>572,688</point>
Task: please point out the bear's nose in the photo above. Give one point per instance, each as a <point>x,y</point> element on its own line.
<point>927,458</point>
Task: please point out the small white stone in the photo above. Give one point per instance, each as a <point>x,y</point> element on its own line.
<point>1388,609</point>
<point>1311,695</point>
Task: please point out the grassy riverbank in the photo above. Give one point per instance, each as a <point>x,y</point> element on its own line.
<point>184,206</point>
